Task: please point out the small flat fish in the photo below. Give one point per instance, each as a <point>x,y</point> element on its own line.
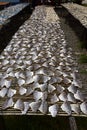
<point>3,92</point>
<point>54,98</point>
<point>34,106</point>
<point>8,103</point>
<point>19,105</point>
<point>83,107</point>
<point>66,107</point>
<point>63,96</point>
<point>79,95</point>
<point>43,107</point>
<point>53,110</point>
<point>75,108</point>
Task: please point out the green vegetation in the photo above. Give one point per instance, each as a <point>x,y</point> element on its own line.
<point>83,58</point>
<point>81,45</point>
<point>83,71</point>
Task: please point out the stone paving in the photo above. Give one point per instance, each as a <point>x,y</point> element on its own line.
<point>78,11</point>
<point>10,11</point>
<point>38,73</point>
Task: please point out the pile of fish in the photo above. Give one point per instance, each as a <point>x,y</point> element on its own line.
<point>78,11</point>
<point>11,11</point>
<point>38,71</point>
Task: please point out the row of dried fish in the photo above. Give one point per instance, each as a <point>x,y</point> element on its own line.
<point>78,11</point>
<point>11,11</point>
<point>45,108</point>
<point>38,66</point>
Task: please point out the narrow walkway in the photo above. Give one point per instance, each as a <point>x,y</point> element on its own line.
<point>38,74</point>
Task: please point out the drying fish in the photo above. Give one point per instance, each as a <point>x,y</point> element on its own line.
<point>36,66</point>
<point>73,75</point>
<point>77,83</point>
<point>44,95</point>
<point>3,92</point>
<point>21,82</point>
<point>66,107</point>
<point>53,110</point>
<point>29,74</point>
<point>58,72</point>
<point>54,98</point>
<point>41,78</point>
<point>26,107</point>
<point>67,81</point>
<point>35,106</point>
<point>19,105</point>
<point>71,98</point>
<point>6,83</point>
<point>79,95</point>
<point>41,71</point>
<point>30,68</point>
<point>62,55</point>
<point>5,62</point>
<point>2,57</point>
<point>29,91</point>
<point>61,64</point>
<point>1,75</point>
<point>29,62</point>
<point>29,80</point>
<point>21,75</point>
<point>9,70</point>
<point>17,75</point>
<point>19,62</point>
<point>11,92</point>
<point>22,90</point>
<point>75,108</point>
<point>68,68</point>
<point>72,88</point>
<point>52,64</point>
<point>43,107</point>
<point>11,74</point>
<point>65,75</point>
<point>45,64</point>
<point>51,88</point>
<point>21,67</point>
<point>83,107</point>
<point>12,62</point>
<point>59,68</point>
<point>60,88</point>
<point>63,96</point>
<point>8,103</point>
<point>53,58</point>
<point>37,95</point>
<point>42,87</point>
<point>54,80</point>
